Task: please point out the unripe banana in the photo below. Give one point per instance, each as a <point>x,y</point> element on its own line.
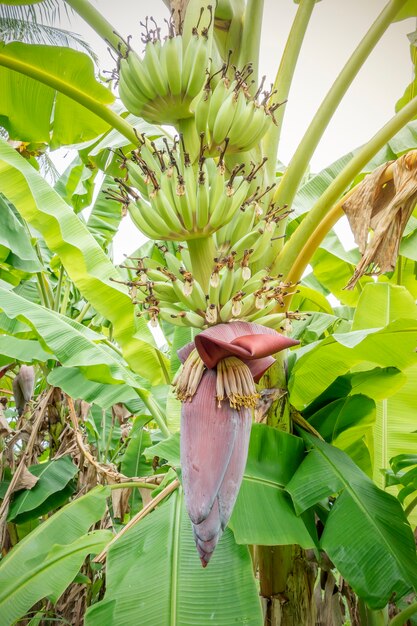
<point>226,285</point>
<point>139,211</point>
<point>139,75</point>
<point>224,118</point>
<point>171,62</point>
<point>153,64</point>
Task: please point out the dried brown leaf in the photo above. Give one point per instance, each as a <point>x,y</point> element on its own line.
<point>26,480</point>
<point>383,207</point>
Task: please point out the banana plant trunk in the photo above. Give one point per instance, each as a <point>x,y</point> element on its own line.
<point>286,576</point>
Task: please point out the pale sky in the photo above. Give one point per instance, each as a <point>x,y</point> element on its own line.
<point>335,29</point>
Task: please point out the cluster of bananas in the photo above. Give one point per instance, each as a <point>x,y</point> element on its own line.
<point>160,86</point>
<point>230,111</point>
<point>178,200</point>
<point>235,290</point>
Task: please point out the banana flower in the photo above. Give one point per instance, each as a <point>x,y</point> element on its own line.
<point>217,388</point>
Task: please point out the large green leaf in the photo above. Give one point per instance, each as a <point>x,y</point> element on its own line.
<point>53,477</point>
<point>366,534</point>
<point>345,421</point>
<point>84,260</point>
<point>263,513</point>
<point>28,106</point>
<point>72,343</point>
<point>106,214</point>
<point>12,349</point>
<point>321,363</point>
<point>76,184</point>
<point>76,385</point>
<point>48,577</point>
<point>64,527</point>
<point>395,426</point>
<point>381,304</point>
<point>15,238</point>
<point>154,576</point>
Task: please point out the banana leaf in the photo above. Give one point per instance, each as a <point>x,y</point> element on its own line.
<point>28,106</point>
<point>24,563</point>
<point>366,534</point>
<point>53,477</point>
<point>154,576</point>
<point>82,257</point>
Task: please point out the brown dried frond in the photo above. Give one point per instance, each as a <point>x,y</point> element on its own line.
<point>384,207</point>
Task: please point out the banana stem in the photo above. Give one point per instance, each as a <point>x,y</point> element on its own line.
<point>57,298</point>
<point>315,239</point>
<point>405,614</point>
<point>251,37</point>
<point>284,78</point>
<point>83,98</point>
<point>98,23</point>
<point>154,410</point>
<point>299,163</point>
<point>202,255</point>
<point>288,255</point>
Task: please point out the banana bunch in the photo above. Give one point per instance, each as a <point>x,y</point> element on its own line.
<point>160,86</point>
<point>229,112</point>
<point>170,292</point>
<point>178,200</point>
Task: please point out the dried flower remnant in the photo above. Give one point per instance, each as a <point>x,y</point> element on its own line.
<point>217,388</point>
<point>383,206</point>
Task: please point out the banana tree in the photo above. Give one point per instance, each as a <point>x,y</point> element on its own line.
<point>225,280</point>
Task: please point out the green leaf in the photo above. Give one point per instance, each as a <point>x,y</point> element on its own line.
<point>106,214</point>
<point>76,184</point>
<point>15,238</point>
<point>395,417</point>
<point>263,513</point>
<point>71,342</point>
<point>133,462</point>
<point>344,422</point>
<point>366,534</point>
<point>25,350</point>
<point>84,260</point>
<point>28,106</point>
<point>318,365</point>
<point>64,527</point>
<point>76,385</point>
<point>48,577</point>
<point>53,477</point>
<point>154,576</point>
<point>380,304</point>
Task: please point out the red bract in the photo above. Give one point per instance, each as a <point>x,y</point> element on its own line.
<point>216,418</point>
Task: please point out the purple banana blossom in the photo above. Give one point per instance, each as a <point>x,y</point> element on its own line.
<point>217,388</point>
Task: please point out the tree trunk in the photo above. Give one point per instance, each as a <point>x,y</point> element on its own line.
<point>287,586</point>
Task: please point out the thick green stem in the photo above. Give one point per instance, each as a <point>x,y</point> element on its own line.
<point>131,485</point>
<point>299,163</point>
<point>370,617</point>
<point>251,37</point>
<point>98,23</point>
<point>405,614</point>
<point>293,247</point>
<point>83,312</point>
<point>83,98</point>
<point>284,78</point>
<point>154,410</point>
<point>202,255</point>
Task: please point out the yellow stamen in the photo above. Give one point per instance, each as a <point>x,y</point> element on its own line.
<point>187,380</point>
<point>235,382</point>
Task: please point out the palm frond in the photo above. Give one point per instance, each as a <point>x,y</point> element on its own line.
<point>15,29</point>
<point>47,11</point>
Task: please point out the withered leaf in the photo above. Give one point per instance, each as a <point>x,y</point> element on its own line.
<point>383,206</point>
<point>26,480</point>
